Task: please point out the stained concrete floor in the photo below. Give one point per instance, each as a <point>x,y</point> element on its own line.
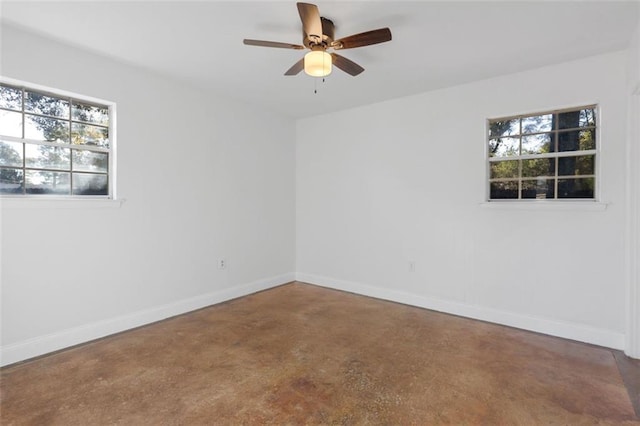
<point>300,354</point>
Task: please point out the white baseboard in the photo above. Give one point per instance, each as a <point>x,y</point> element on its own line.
<point>41,345</point>
<point>567,330</point>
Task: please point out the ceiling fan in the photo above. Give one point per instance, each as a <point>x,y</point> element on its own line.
<point>318,36</point>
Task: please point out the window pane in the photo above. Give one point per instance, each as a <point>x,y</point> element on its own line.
<point>576,188</point>
<point>569,141</point>
<point>582,165</point>
<point>90,184</point>
<point>538,188</point>
<point>46,129</point>
<point>587,139</point>
<point>539,167</point>
<point>47,157</point>
<point>588,117</point>
<point>537,144</point>
<point>503,190</point>
<point>10,154</point>
<point>504,128</point>
<point>90,161</point>
<point>577,140</point>
<point>538,123</point>
<point>10,98</point>
<point>41,182</point>
<point>46,105</point>
<point>90,113</point>
<point>85,134</point>
<point>10,123</point>
<point>574,119</point>
<point>11,181</point>
<point>504,169</point>
<point>504,147</point>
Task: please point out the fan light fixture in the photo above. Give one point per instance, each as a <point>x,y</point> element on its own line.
<point>317,63</point>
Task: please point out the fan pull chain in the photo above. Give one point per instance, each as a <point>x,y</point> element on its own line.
<point>315,80</point>
<point>315,84</point>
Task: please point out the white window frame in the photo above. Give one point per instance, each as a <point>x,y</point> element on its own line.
<point>561,202</point>
<point>112,152</point>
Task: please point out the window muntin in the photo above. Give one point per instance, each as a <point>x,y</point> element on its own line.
<point>52,144</point>
<point>549,155</point>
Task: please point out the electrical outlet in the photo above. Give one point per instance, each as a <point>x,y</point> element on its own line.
<point>412,266</point>
<point>222,263</point>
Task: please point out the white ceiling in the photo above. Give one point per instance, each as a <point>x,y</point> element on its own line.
<point>435,44</point>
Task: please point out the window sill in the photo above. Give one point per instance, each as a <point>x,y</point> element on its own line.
<point>60,203</point>
<point>546,205</point>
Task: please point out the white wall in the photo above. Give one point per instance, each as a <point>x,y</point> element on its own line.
<point>203,178</point>
<point>632,346</point>
<point>404,180</point>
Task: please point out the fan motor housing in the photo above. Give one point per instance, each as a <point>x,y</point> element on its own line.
<point>327,36</point>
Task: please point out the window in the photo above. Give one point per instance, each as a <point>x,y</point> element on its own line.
<point>52,144</point>
<point>550,155</point>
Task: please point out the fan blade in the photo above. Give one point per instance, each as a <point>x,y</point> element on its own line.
<point>264,43</point>
<point>311,23</point>
<point>346,65</point>
<point>363,39</point>
<point>296,68</point>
